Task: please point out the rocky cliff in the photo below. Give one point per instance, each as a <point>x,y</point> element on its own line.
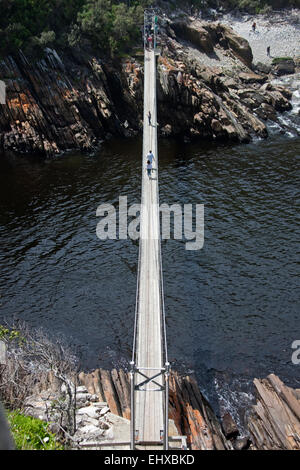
<point>75,100</point>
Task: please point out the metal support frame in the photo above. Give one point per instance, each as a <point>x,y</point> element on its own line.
<point>149,17</point>
<point>163,371</point>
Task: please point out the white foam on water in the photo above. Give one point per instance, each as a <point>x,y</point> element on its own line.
<point>288,122</point>
<point>234,400</point>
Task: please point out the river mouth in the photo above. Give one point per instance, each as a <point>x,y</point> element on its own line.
<point>231,307</point>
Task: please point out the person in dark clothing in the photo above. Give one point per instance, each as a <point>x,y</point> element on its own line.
<point>149,118</point>
<point>149,168</point>
<point>254,27</point>
<point>268,51</point>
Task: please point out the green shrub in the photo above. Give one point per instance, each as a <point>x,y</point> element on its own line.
<point>31,433</point>
<point>9,334</point>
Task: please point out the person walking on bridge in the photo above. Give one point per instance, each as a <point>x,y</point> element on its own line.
<point>149,168</point>
<point>150,156</point>
<point>149,118</point>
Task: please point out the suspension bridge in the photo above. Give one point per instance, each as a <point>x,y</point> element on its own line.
<point>149,366</point>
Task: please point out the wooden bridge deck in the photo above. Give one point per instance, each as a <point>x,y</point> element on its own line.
<point>149,405</point>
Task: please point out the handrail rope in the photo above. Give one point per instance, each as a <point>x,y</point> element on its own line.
<point>159,241</point>
<point>159,247</point>
<point>140,248</point>
<point>136,304</point>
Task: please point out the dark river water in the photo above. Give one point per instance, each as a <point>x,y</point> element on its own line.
<point>232,307</point>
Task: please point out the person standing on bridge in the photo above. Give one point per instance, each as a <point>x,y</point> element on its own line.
<point>149,168</point>
<point>149,118</point>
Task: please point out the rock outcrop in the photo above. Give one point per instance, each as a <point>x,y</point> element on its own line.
<point>101,413</point>
<point>274,422</point>
<point>74,100</point>
<point>103,406</point>
<point>57,104</point>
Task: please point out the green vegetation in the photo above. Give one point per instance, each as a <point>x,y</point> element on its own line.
<point>10,334</point>
<point>32,25</point>
<point>31,433</point>
<point>277,60</point>
<point>110,26</point>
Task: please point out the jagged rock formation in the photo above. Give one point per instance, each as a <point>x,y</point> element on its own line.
<point>57,104</point>
<point>207,88</point>
<point>194,416</point>
<point>188,408</point>
<point>102,412</point>
<point>274,422</point>
<point>73,100</point>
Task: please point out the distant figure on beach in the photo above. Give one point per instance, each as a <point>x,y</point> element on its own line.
<point>268,51</point>
<point>149,168</point>
<point>254,27</point>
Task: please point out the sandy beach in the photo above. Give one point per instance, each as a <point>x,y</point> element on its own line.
<point>280,31</point>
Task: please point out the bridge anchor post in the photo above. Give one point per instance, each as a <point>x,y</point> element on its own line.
<point>166,433</point>
<point>132,405</point>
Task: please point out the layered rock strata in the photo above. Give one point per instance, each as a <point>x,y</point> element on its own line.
<point>75,100</point>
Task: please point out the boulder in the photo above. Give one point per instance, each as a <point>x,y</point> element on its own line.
<point>266,111</point>
<point>229,426</point>
<point>238,45</point>
<point>283,66</point>
<point>241,443</point>
<point>91,411</point>
<point>216,126</point>
<point>263,68</point>
<point>196,34</point>
<point>251,77</point>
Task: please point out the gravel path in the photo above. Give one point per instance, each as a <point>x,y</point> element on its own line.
<point>280,31</point>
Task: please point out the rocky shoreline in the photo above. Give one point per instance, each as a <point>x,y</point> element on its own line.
<point>92,409</point>
<point>102,413</point>
<point>208,88</point>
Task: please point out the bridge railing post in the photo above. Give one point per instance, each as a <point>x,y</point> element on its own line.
<point>166,433</point>
<point>132,406</point>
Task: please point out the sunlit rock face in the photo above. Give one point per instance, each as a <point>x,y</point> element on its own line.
<point>207,88</point>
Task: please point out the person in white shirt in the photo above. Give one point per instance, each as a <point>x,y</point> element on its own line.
<point>150,156</point>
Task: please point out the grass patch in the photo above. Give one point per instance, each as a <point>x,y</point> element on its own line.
<point>31,433</point>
